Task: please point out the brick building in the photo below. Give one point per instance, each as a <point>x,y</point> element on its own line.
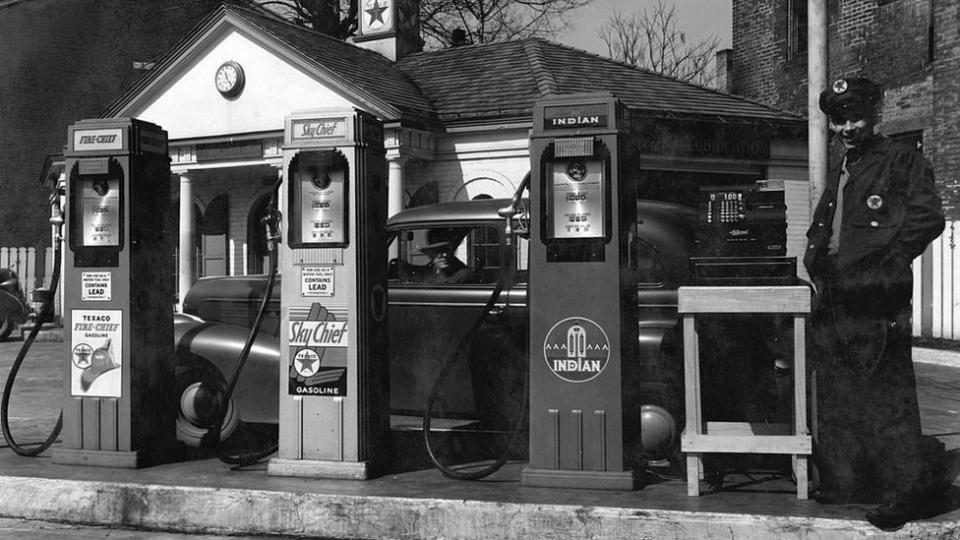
<point>910,47</point>
<point>63,60</point>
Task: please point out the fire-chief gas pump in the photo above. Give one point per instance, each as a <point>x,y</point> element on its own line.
<point>118,403</point>
<point>334,387</point>
<point>583,324</point>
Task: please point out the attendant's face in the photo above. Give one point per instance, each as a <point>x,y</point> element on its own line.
<point>853,129</point>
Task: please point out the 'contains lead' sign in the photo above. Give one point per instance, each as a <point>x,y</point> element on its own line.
<point>318,354</point>
<point>576,349</point>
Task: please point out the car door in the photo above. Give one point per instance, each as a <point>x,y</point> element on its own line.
<point>443,329</point>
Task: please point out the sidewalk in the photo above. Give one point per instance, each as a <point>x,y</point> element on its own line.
<point>205,496</point>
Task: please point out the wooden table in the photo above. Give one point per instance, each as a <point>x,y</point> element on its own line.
<point>701,437</point>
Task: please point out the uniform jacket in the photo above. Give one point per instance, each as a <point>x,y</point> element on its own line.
<point>891,211</point>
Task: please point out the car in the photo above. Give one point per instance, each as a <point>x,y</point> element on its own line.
<point>429,321</point>
<point>14,309</point>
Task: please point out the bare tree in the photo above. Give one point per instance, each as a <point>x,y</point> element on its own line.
<point>337,18</point>
<point>493,20</point>
<point>651,39</point>
<point>480,20</point>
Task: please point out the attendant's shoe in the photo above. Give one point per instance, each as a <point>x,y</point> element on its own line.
<point>894,515</point>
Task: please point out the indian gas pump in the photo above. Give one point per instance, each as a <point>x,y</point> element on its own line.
<point>334,386</point>
<point>583,322</point>
<point>118,405</point>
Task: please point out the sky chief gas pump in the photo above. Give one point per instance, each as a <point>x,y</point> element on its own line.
<point>333,360</point>
<point>583,324</point>
<point>118,402</point>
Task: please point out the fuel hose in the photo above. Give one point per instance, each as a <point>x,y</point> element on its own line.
<point>505,269</point>
<point>212,438</point>
<point>34,448</point>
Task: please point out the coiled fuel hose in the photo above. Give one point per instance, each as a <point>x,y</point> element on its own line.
<point>36,448</point>
<point>212,437</point>
<point>505,269</point>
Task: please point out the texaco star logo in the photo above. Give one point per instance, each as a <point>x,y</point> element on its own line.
<point>306,362</point>
<point>376,13</point>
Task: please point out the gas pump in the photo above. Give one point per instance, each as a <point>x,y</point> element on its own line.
<point>583,323</point>
<point>118,404</point>
<point>334,401</point>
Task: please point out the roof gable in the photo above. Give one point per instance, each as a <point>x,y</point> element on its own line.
<point>313,71</point>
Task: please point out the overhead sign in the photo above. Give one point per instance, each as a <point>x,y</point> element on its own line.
<point>576,117</point>
<point>318,129</point>
<point>98,139</point>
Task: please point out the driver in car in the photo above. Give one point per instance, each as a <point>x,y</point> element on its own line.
<point>444,266</point>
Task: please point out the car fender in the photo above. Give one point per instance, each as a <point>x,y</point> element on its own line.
<point>12,307</point>
<point>256,394</point>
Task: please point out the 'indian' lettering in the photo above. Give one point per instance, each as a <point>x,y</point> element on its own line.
<point>568,365</point>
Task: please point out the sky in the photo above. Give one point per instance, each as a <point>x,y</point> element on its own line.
<point>699,19</point>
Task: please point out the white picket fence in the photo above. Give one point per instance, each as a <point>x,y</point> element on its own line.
<point>936,287</point>
<point>34,267</point>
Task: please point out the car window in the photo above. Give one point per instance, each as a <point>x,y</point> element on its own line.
<point>445,255</point>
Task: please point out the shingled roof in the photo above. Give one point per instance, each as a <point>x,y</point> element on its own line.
<point>477,83</point>
<point>505,79</point>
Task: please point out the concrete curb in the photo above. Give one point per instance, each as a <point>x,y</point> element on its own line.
<point>253,512</point>
<point>939,357</point>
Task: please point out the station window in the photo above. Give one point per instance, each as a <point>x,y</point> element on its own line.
<point>913,138</point>
<point>796,29</point>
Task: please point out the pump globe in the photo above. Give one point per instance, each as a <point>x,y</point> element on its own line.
<point>658,431</point>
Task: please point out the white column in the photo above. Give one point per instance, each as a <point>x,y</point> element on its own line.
<point>395,183</point>
<point>817,66</point>
<point>186,272</point>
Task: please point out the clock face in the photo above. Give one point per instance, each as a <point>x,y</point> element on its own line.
<point>229,79</point>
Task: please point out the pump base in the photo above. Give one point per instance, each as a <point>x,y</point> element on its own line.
<point>570,478</point>
<point>97,458</point>
<point>312,468</point>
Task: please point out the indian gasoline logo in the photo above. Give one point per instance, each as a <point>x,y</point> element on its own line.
<point>576,349</point>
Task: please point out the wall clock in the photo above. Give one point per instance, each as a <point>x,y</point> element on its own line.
<point>229,79</point>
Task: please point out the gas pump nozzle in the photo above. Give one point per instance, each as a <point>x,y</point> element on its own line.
<point>508,212</point>
<point>272,223</point>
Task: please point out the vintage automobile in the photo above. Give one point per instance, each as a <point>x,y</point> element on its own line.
<point>428,321</point>
<point>13,305</point>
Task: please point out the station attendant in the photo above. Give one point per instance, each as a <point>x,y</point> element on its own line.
<point>878,211</point>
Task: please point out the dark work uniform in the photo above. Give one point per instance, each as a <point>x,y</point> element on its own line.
<point>868,418</point>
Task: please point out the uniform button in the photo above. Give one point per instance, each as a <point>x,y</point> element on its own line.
<point>874,224</point>
<point>820,224</point>
<point>830,204</point>
<point>812,246</point>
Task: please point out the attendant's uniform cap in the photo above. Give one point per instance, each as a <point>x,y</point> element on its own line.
<point>850,94</point>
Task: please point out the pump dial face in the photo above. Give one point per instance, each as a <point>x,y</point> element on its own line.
<point>229,79</point>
